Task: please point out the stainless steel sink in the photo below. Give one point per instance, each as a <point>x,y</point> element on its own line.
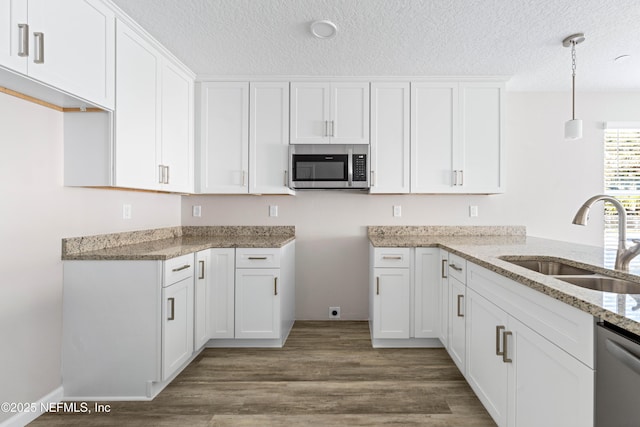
<point>604,284</point>
<point>549,267</point>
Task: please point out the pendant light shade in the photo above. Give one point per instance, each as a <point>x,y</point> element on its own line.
<point>573,127</point>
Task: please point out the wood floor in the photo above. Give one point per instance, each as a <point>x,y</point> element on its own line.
<point>326,375</point>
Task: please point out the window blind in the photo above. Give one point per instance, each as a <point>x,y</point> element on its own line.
<point>621,180</point>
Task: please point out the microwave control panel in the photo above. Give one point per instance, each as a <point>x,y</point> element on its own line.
<point>359,167</point>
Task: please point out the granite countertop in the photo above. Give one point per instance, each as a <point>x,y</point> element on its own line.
<point>485,250</point>
<point>167,243</point>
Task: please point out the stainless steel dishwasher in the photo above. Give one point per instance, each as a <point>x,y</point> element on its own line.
<point>617,377</point>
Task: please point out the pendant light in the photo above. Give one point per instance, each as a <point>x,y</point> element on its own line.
<point>573,127</point>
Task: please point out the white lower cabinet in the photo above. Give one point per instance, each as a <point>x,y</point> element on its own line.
<point>404,297</point>
<point>521,377</point>
<point>257,304</point>
<point>127,326</point>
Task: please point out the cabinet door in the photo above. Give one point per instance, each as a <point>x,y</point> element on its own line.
<point>224,138</point>
<point>257,303</point>
<point>202,298</point>
<point>486,372</point>
<point>310,113</point>
<point>547,386</point>
<point>390,138</point>
<point>482,158</point>
<point>177,128</point>
<point>78,47</point>
<point>457,344</point>
<point>14,35</point>
<point>221,301</point>
<point>177,326</point>
<point>137,141</point>
<point>427,293</point>
<point>444,299</point>
<point>349,122</point>
<point>269,138</point>
<point>434,136</point>
<point>391,302</point>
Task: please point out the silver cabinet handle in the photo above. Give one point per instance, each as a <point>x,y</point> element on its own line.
<point>255,258</point>
<point>443,273</point>
<point>499,329</point>
<point>160,174</point>
<point>373,178</point>
<point>184,267</point>
<point>286,178</point>
<point>377,285</point>
<point>275,286</point>
<point>39,48</point>
<point>23,40</point>
<point>326,128</point>
<point>461,177</point>
<point>455,267</point>
<point>392,257</point>
<point>505,356</point>
<point>459,299</point>
<point>166,176</point>
<point>172,301</point>
<point>332,128</point>
<point>455,178</point>
<point>244,178</point>
<point>201,276</point>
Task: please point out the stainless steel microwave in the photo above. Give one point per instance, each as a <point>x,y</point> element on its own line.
<point>329,166</point>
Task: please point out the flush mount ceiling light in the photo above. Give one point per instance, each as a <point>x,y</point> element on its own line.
<point>324,29</point>
<point>573,127</point>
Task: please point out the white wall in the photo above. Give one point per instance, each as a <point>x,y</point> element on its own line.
<point>36,212</point>
<point>548,178</point>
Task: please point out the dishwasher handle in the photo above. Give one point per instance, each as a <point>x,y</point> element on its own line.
<point>623,355</point>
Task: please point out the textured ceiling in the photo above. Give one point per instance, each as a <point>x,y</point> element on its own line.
<point>517,38</point>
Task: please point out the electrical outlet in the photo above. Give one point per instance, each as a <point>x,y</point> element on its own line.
<point>126,211</point>
<point>397,211</point>
<point>273,210</point>
<point>334,313</point>
<point>197,211</point>
<point>473,211</point>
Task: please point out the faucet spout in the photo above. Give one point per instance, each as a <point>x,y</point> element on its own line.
<point>623,255</point>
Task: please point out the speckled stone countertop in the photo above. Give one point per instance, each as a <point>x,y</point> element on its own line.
<point>485,250</point>
<point>167,243</point>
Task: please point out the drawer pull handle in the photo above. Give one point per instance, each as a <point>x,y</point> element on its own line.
<point>201,276</point>
<point>444,269</point>
<point>499,329</point>
<point>184,267</point>
<point>459,304</point>
<point>275,286</point>
<point>172,301</point>
<point>392,257</point>
<point>455,267</point>
<point>505,356</point>
<point>377,286</point>
<point>257,258</point>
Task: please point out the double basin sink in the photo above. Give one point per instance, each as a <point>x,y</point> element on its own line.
<point>575,275</point>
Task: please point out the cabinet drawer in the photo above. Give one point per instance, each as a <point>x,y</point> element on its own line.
<point>258,258</point>
<point>458,268</point>
<point>392,257</point>
<point>176,269</point>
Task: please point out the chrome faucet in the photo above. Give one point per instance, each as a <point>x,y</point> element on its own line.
<point>624,255</point>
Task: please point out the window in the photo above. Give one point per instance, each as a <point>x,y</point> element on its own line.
<point>621,180</point>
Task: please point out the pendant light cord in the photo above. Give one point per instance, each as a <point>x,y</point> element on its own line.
<point>573,80</point>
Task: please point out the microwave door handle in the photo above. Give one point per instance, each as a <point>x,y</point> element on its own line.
<point>350,167</point>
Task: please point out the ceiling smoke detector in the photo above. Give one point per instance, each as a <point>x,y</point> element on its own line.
<point>324,29</point>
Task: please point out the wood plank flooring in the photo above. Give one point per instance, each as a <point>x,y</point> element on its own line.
<point>326,375</point>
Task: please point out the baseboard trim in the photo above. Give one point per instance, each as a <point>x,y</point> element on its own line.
<point>23,418</point>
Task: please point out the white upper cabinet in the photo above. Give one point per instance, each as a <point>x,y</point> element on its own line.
<point>457,138</point>
<point>137,139</point>
<point>224,138</point>
<point>390,138</point>
<point>67,44</point>
<point>269,138</point>
<point>177,129</point>
<point>330,113</point>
